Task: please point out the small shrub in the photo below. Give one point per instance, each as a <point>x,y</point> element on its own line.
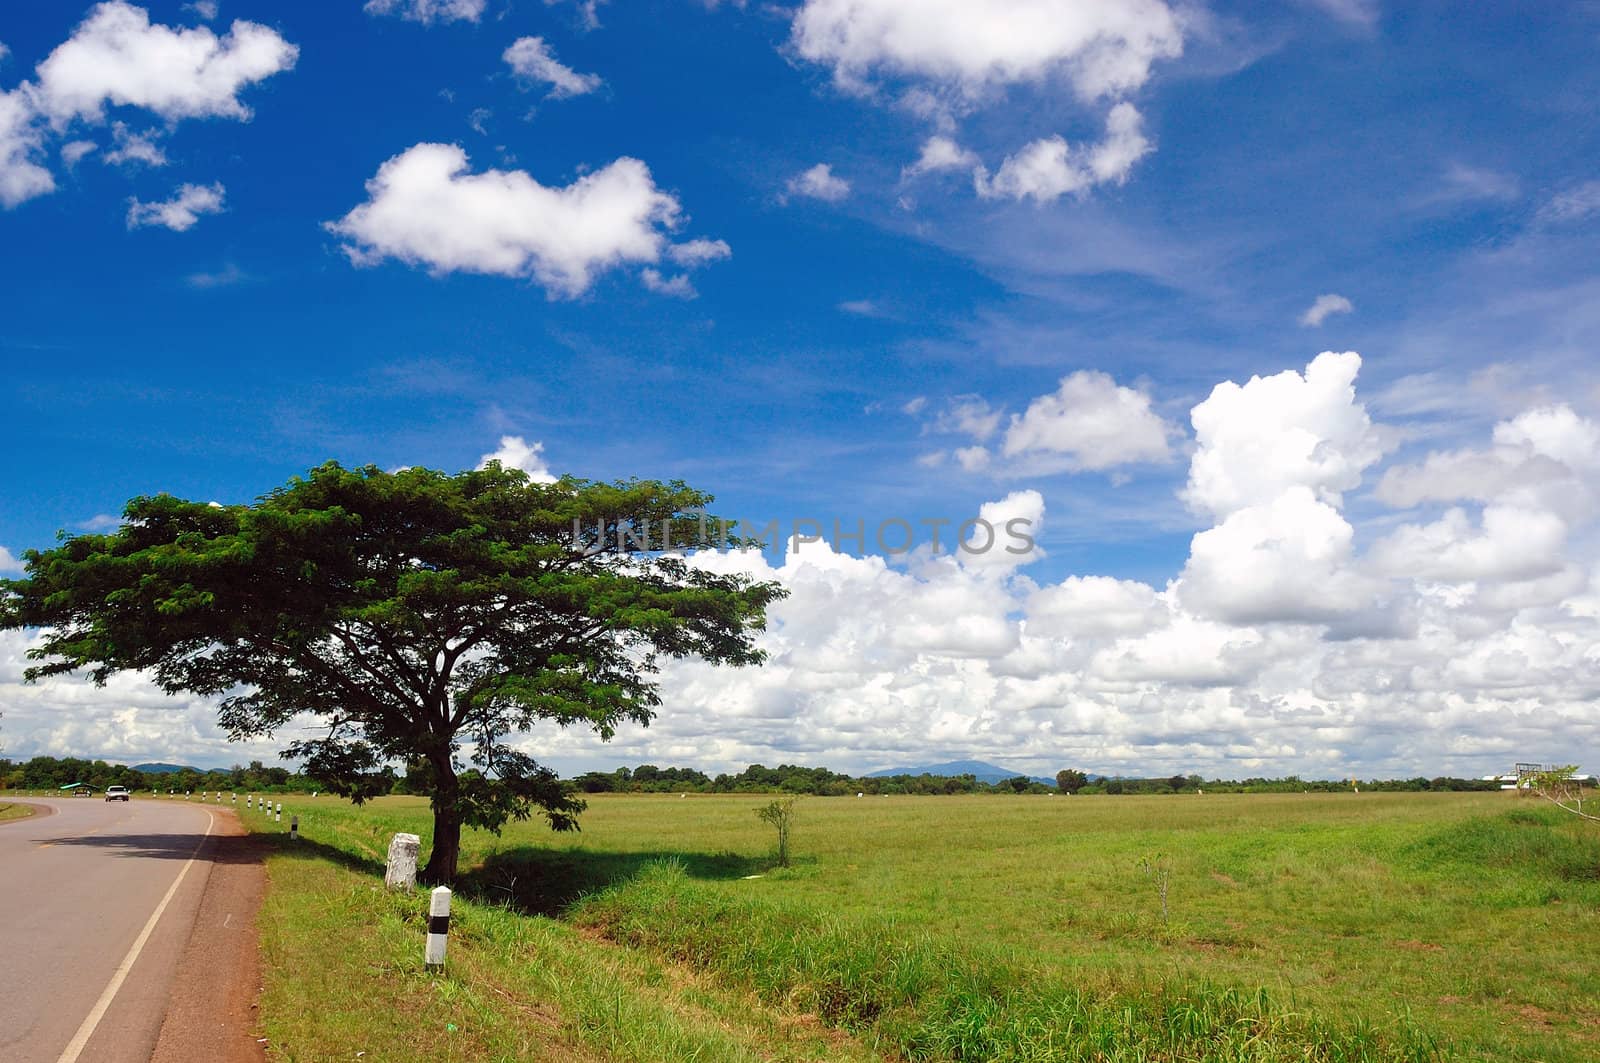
<point>780,814</point>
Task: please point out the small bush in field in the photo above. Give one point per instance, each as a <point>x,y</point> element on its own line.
<point>780,814</point>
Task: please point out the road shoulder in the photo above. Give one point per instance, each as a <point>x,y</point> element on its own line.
<point>212,1013</point>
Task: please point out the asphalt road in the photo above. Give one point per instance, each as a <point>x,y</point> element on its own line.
<point>88,963</point>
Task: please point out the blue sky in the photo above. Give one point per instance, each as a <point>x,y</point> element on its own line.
<point>1431,166</point>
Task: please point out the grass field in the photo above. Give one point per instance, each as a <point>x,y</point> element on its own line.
<point>1336,927</point>
<point>14,811</point>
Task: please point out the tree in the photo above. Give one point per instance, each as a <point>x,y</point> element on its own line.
<point>1071,780</point>
<point>411,616</point>
<point>780,814</point>
<point>1561,787</point>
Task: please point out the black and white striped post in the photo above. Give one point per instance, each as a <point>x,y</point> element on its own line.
<point>278,816</point>
<point>294,828</point>
<point>438,927</point>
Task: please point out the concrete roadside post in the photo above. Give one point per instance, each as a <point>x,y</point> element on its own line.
<point>438,927</point>
<point>402,870</point>
<point>294,828</point>
<point>278,816</point>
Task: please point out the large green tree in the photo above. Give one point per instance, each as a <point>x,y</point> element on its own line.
<point>412,617</point>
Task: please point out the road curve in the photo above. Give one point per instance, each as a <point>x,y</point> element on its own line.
<point>79,889</point>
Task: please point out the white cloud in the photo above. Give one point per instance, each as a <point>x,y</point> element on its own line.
<point>118,57</point>
<point>134,147</point>
<point>940,154</point>
<point>1547,457</point>
<point>21,141</point>
<point>1090,422</point>
<point>424,208</point>
<point>1095,606</point>
<point>970,415</point>
<point>1463,183</point>
<point>1273,433</point>
<point>205,9</point>
<point>181,211</point>
<point>1453,645</point>
<point>1287,560</point>
<point>694,253</point>
<point>1101,47</point>
<point>532,59</point>
<point>819,182</point>
<point>678,286</point>
<point>428,12</point>
<point>1361,13</point>
<point>1050,168</point>
<point>1572,205</point>
<point>861,308</point>
<point>229,275</point>
<point>74,151</point>
<point>9,562</point>
<point>1324,307</point>
<point>1512,544</point>
<point>517,453</point>
<point>588,11</point>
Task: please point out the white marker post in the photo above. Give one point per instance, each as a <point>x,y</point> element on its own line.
<point>294,828</point>
<point>401,873</point>
<point>278,816</point>
<point>438,927</point>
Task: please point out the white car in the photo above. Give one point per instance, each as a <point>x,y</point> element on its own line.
<point>117,793</point>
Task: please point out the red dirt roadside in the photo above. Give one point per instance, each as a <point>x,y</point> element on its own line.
<point>212,1013</point>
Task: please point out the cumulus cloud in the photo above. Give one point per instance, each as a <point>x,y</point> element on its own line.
<point>9,562</point>
<point>530,58</point>
<point>1050,168</point>
<point>425,208</point>
<point>819,182</point>
<point>1100,47</point>
<point>128,146</point>
<point>515,452</point>
<point>1547,457</point>
<point>118,57</point>
<point>1261,438</point>
<point>1289,640</point>
<point>428,12</point>
<point>181,212</point>
<point>941,154</point>
<point>1090,422</point>
<point>1324,307</point>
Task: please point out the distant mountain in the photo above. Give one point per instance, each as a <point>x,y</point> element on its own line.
<point>162,769</point>
<point>988,773</point>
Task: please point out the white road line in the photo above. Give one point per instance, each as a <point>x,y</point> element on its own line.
<point>75,1046</point>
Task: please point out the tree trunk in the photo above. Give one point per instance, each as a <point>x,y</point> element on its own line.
<point>446,851</point>
<point>442,859</point>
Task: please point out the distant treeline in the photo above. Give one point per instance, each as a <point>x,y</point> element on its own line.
<point>49,773</point>
<point>820,782</point>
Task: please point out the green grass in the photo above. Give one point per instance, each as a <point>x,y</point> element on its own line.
<point>1305,927</point>
<point>14,811</point>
